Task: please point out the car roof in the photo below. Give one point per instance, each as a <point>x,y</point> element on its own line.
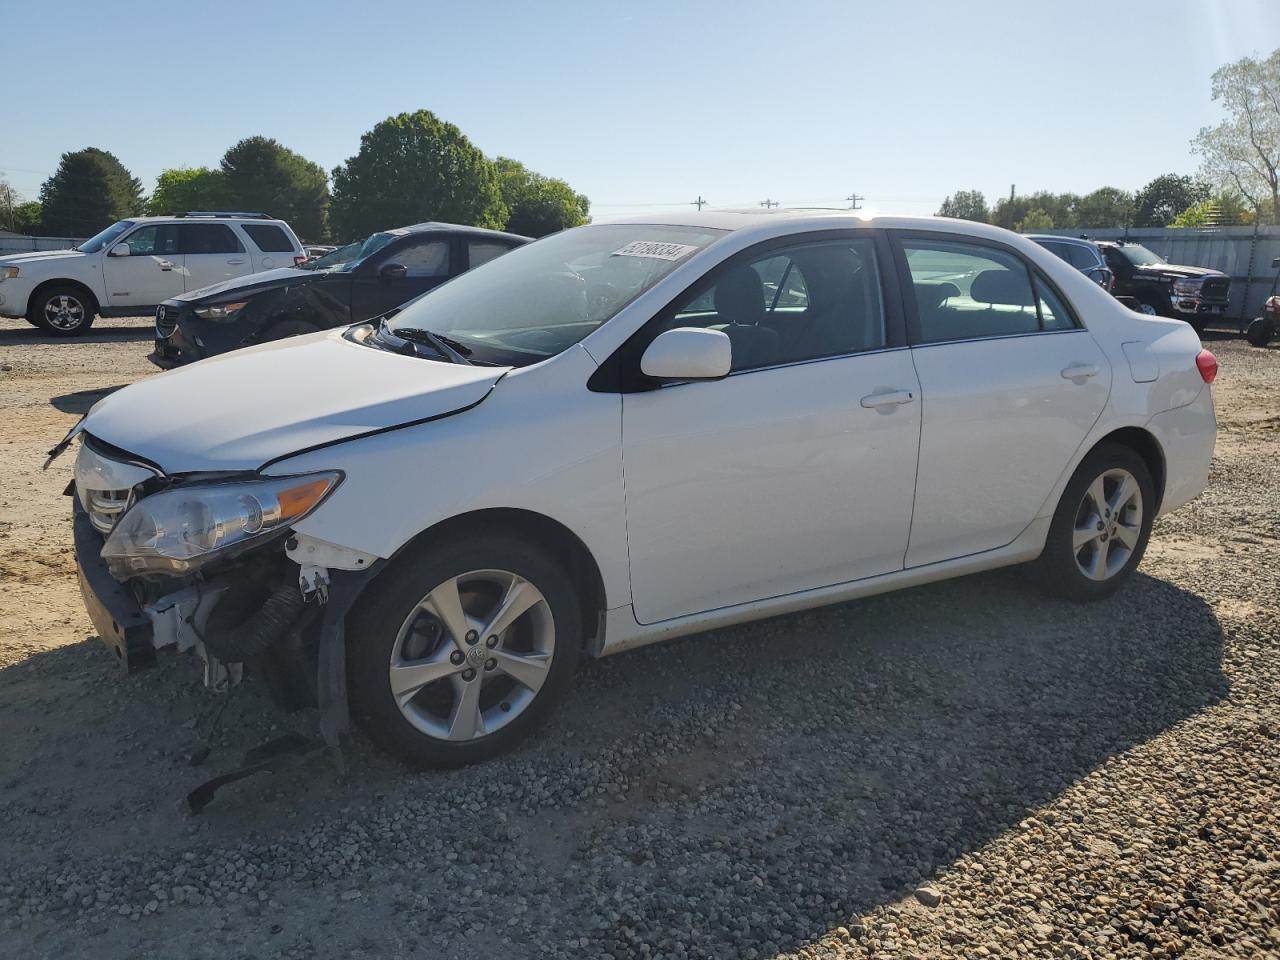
<point>460,228</point>
<point>1037,237</point>
<point>769,222</point>
<point>182,218</point>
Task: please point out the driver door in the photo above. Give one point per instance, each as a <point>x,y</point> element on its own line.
<point>426,264</point>
<point>151,274</point>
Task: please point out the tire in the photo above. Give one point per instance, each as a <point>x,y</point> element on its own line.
<point>400,626</point>
<point>1076,572</point>
<point>1258,333</point>
<point>62,310</point>
<point>287,328</point>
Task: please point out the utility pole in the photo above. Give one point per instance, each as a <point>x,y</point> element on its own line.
<point>855,201</point>
<point>699,203</point>
<point>768,203</point>
<point>1012,188</point>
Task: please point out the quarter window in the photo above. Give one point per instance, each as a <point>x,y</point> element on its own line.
<point>1082,257</point>
<point>966,291</point>
<point>268,237</point>
<point>804,302</point>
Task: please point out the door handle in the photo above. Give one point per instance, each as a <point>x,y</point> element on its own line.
<point>236,263</point>
<point>1080,371</point>
<point>165,264</point>
<point>894,398</point>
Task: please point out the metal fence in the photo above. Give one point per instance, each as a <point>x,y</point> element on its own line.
<point>13,243</point>
<point>1242,253</point>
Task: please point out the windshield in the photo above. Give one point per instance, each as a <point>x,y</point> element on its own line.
<point>1140,256</point>
<point>100,240</point>
<point>345,259</point>
<point>542,298</point>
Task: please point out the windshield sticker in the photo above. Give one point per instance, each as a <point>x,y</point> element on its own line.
<point>653,250</point>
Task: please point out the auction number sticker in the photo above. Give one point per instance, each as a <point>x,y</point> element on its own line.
<point>654,250</point>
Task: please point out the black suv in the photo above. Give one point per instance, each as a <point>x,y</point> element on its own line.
<point>349,285</point>
<point>1193,294</point>
<point>1081,253</point>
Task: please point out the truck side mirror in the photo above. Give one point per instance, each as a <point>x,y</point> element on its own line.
<point>119,250</point>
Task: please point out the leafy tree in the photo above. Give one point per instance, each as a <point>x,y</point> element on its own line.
<point>1161,200</point>
<point>1105,207</point>
<point>538,205</point>
<point>27,217</point>
<point>1059,207</point>
<point>260,174</point>
<point>1243,151</point>
<point>966,205</point>
<point>1036,220</point>
<point>10,200</point>
<point>188,188</point>
<point>1224,210</point>
<point>410,168</point>
<point>89,191</point>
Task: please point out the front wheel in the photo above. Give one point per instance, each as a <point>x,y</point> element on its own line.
<point>1101,527</point>
<point>461,649</point>
<point>1259,332</point>
<point>62,310</point>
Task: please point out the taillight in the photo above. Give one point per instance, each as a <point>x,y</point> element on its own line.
<point>1207,364</point>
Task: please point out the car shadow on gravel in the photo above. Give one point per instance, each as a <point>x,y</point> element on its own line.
<point>742,792</point>
<point>80,401</point>
<point>26,336</point>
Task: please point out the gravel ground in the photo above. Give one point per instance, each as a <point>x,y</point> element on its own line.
<point>966,769</point>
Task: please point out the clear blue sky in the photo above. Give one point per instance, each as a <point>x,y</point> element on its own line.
<point>644,103</point>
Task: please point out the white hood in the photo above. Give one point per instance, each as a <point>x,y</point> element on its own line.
<point>239,410</point>
<point>9,259</point>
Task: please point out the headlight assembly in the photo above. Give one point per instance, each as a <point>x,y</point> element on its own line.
<point>1186,286</point>
<point>181,529</point>
<point>220,311</point>
<point>8,273</point>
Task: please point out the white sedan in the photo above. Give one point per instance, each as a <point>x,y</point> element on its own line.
<point>623,433</point>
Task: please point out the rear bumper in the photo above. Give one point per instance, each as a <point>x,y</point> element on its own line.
<point>115,613</point>
<point>1186,435</point>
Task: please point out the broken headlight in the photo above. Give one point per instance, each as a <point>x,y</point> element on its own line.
<point>181,529</point>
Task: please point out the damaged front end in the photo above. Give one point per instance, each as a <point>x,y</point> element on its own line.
<point>211,564</point>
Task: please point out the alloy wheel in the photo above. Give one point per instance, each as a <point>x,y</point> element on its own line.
<point>1108,524</point>
<point>64,312</point>
<point>472,655</point>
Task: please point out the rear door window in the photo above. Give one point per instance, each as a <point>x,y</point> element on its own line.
<point>1082,257</point>
<point>482,251</point>
<point>268,237</point>
<point>197,238</point>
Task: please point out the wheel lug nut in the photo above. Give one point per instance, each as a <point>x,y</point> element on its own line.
<point>456,657</point>
<point>491,642</point>
<point>468,674</point>
<point>472,637</point>
<point>490,663</point>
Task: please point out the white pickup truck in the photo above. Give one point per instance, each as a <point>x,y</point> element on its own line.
<point>136,264</point>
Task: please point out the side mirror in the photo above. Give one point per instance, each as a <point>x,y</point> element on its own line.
<point>688,353</point>
<point>392,271</point>
<point>119,250</point>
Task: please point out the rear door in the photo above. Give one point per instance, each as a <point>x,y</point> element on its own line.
<point>212,253</point>
<point>375,288</point>
<point>150,274</point>
<point>1011,384</point>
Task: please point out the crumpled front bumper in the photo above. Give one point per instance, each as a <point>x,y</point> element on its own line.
<point>115,612</point>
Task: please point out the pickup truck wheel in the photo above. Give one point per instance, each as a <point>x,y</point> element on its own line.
<point>1101,527</point>
<point>1258,333</point>
<point>1148,308</point>
<point>458,651</point>
<point>287,328</point>
<point>62,310</point>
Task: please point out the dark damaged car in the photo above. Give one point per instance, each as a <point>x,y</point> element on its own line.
<point>351,284</point>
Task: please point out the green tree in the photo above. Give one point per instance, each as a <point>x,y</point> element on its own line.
<point>1223,210</point>
<point>261,175</point>
<point>1036,220</point>
<point>1105,207</point>
<point>966,205</point>
<point>1242,153</point>
<point>1010,213</point>
<point>1161,200</point>
<point>27,217</point>
<point>410,168</point>
<point>89,191</point>
<point>188,188</point>
<point>538,205</point>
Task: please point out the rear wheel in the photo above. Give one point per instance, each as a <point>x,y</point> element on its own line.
<point>62,310</point>
<point>460,650</point>
<point>1101,527</point>
<point>1259,332</point>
